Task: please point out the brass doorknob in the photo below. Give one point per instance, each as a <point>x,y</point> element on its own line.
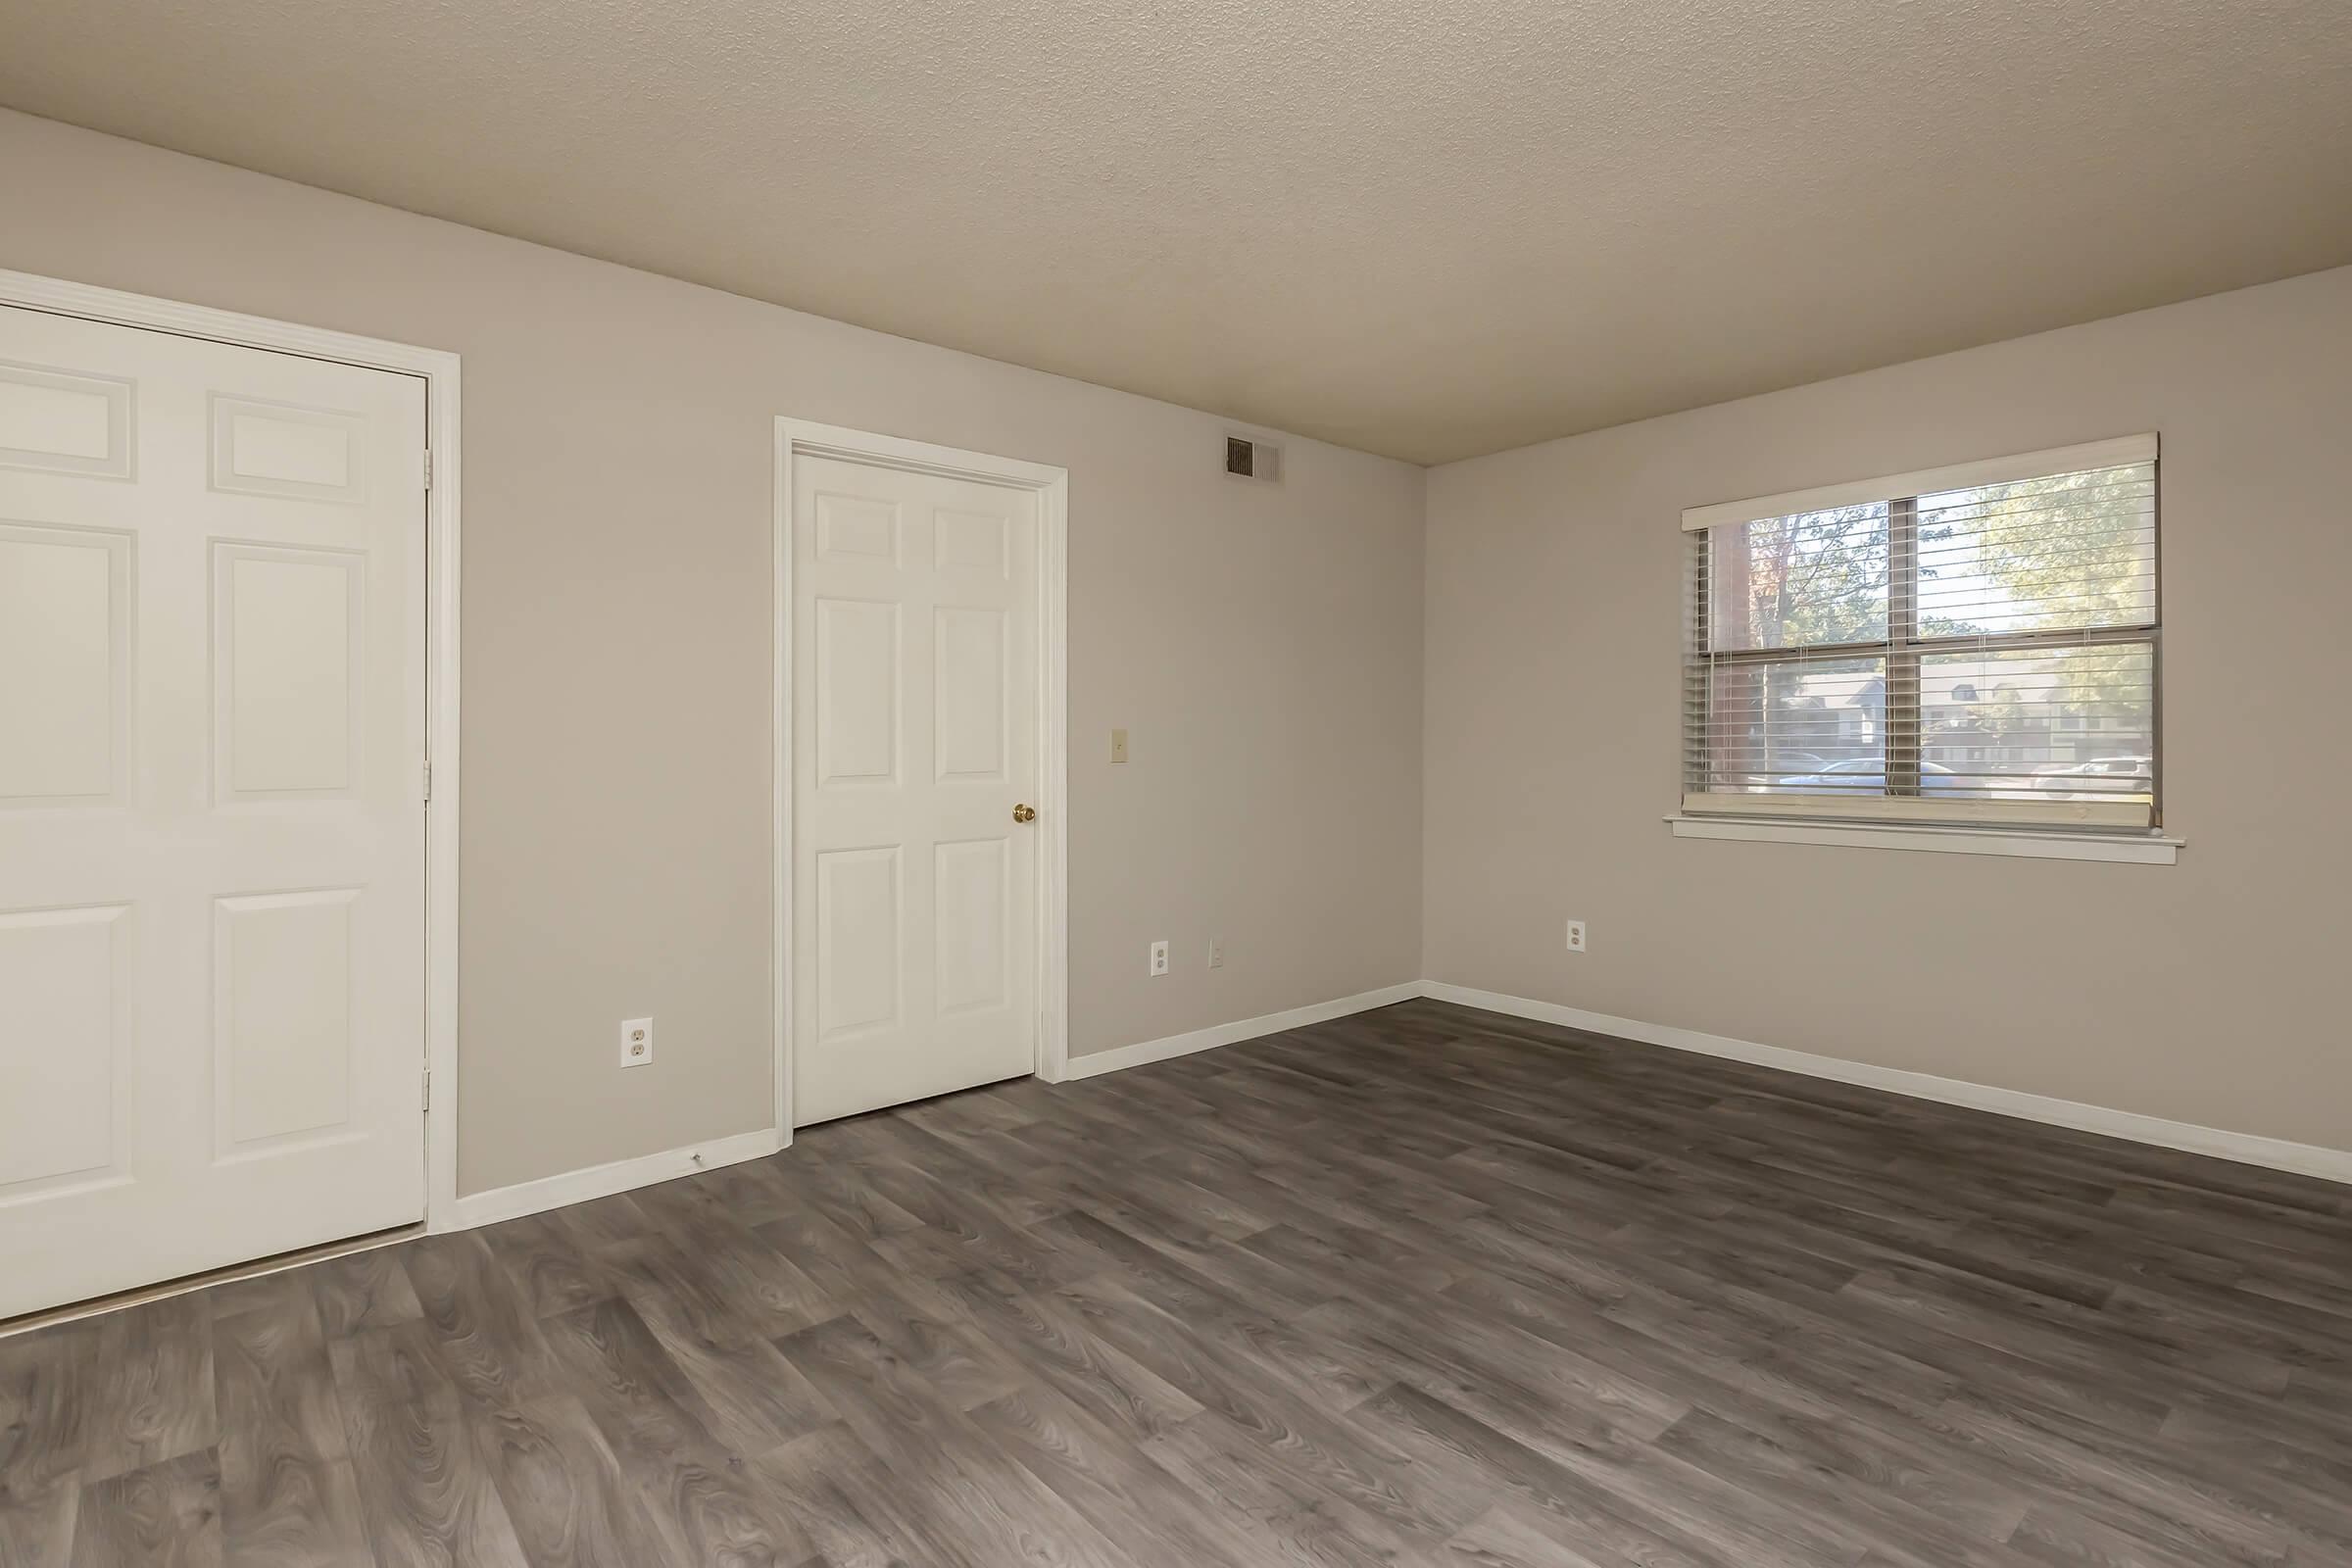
<point>1024,813</point>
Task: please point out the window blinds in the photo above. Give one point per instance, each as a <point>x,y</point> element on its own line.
<point>1975,644</point>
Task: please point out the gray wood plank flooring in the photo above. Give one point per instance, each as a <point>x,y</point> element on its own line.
<point>1425,1285</point>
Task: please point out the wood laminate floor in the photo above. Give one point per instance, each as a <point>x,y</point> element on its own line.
<point>1424,1286</point>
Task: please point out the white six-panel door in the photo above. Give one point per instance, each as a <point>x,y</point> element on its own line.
<point>915,740</point>
<point>212,824</point>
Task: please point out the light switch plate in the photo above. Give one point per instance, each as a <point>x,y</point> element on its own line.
<point>1118,746</point>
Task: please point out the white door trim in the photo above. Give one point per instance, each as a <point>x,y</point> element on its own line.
<point>801,437</point>
<point>439,370</point>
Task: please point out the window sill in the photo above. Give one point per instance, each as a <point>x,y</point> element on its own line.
<point>2134,849</point>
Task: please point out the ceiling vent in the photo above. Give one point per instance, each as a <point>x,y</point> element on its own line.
<point>1253,460</point>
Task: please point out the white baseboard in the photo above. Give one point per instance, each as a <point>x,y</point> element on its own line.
<point>2275,1154</point>
<point>2247,1148</point>
<point>1227,1034</point>
<point>603,1181</point>
<point>622,1175</point>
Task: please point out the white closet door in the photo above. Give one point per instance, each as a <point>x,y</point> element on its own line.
<point>212,826</point>
<point>916,708</point>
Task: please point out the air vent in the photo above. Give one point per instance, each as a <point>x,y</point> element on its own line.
<point>1253,460</point>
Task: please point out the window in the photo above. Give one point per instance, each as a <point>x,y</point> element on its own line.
<point>1972,645</point>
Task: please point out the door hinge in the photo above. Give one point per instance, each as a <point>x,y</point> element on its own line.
<point>428,1089</point>
<point>428,780</point>
<point>428,468</point>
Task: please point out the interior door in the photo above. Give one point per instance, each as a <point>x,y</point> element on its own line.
<point>212,825</point>
<point>914,750</point>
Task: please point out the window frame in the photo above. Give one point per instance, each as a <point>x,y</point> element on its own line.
<point>1903,805</point>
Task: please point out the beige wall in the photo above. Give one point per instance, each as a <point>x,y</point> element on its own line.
<point>2209,992</point>
<point>1263,645</point>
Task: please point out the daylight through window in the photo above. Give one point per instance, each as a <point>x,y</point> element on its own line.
<point>1976,644</point>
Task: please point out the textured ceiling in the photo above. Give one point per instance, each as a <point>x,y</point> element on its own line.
<point>1423,229</point>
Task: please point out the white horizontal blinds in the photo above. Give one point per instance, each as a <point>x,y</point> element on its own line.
<point>1917,647</point>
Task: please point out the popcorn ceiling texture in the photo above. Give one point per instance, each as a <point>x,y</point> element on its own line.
<point>1426,230</point>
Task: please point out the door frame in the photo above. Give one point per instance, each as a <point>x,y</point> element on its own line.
<point>438,368</point>
<point>799,438</point>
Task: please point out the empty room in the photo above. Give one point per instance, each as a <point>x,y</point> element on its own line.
<point>876,785</point>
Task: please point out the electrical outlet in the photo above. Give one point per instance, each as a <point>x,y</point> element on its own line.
<point>636,1042</point>
<point>1217,953</point>
<point>1118,746</point>
<point>1576,936</point>
<point>1160,958</point>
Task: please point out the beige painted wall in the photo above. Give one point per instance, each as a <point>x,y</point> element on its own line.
<point>2209,992</point>
<point>1262,644</point>
<point>1265,647</point>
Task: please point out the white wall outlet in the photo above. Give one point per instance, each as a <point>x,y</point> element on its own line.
<point>1576,936</point>
<point>636,1042</point>
<point>1118,746</point>
<point>1160,958</point>
<point>1217,953</point>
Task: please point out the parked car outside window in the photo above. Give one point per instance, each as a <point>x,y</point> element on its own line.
<point>1866,775</point>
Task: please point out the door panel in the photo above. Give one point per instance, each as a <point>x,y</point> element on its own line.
<point>212,826</point>
<point>915,734</point>
<point>64,664</point>
<point>975,888</point>
<point>858,983</point>
<point>969,700</point>
<point>858,693</point>
<point>288,659</point>
<point>64,423</point>
<point>63,976</point>
<point>283,1031</point>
